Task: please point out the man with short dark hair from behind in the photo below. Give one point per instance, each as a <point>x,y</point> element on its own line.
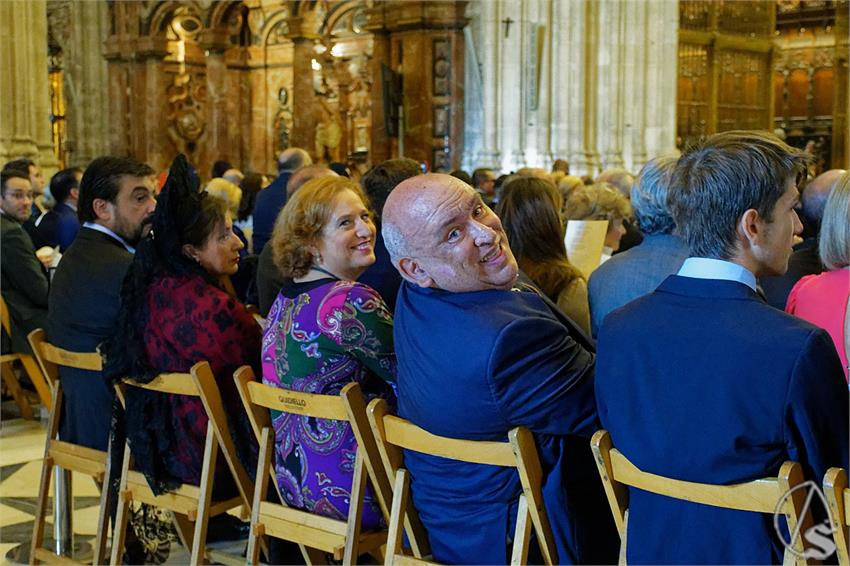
<point>640,270</point>
<point>805,259</point>
<point>116,203</point>
<point>701,380</point>
<point>59,225</point>
<point>23,280</point>
<point>477,356</point>
<point>378,183</point>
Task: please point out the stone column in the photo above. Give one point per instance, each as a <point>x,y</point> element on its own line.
<point>511,88</point>
<point>25,128</point>
<point>380,144</point>
<point>661,47</point>
<point>611,78</point>
<point>86,83</point>
<point>304,101</point>
<point>490,156</point>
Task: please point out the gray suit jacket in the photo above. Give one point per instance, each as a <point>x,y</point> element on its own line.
<point>24,283</point>
<point>632,274</point>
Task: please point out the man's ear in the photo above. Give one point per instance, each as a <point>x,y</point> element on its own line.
<point>413,272</point>
<point>102,209</point>
<point>750,228</point>
<point>75,194</point>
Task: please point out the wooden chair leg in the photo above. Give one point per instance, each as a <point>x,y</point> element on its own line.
<point>14,388</point>
<point>400,492</point>
<point>41,507</point>
<point>355,511</point>
<point>522,534</point>
<point>119,532</point>
<point>39,381</point>
<point>261,484</point>
<point>207,477</point>
<point>103,513</point>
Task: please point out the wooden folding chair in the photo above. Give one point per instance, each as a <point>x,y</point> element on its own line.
<point>68,456</point>
<point>395,434</point>
<point>189,503</point>
<point>759,496</point>
<point>343,539</point>
<point>838,500</point>
<point>42,387</point>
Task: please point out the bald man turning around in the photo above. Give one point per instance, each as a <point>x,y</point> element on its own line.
<point>478,356</point>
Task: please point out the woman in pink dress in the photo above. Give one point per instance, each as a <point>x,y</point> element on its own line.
<point>823,299</point>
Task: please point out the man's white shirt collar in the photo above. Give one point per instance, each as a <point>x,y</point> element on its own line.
<point>107,231</point>
<point>708,268</point>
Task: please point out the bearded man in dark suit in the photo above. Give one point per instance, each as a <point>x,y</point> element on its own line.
<point>115,206</point>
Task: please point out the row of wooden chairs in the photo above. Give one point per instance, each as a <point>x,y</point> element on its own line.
<point>784,494</point>
<point>381,437</point>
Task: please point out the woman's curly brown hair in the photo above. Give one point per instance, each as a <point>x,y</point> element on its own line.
<point>299,225</point>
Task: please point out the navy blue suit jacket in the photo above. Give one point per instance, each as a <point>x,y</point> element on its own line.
<point>83,305</point>
<point>269,203</point>
<point>473,366</point>
<point>702,381</point>
<point>59,226</point>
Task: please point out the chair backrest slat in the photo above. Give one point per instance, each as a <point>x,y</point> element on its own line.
<point>404,434</point>
<point>296,402</point>
<point>174,383</point>
<point>758,496</point>
<point>519,452</point>
<point>78,360</point>
<point>838,500</point>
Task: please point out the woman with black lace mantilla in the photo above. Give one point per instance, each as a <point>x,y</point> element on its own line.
<point>175,313</point>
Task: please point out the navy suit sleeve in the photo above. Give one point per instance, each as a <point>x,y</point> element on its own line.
<point>542,379</point>
<point>816,409</point>
<point>66,231</point>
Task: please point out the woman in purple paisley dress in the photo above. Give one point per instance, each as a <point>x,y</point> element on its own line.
<point>323,332</point>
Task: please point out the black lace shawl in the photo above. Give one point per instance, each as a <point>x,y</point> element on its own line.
<point>147,420</point>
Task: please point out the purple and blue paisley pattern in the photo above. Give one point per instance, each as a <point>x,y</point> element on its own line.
<point>318,342</point>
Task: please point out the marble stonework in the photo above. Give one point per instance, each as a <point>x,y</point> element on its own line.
<point>243,80</point>
<point>25,129</point>
<point>586,81</point>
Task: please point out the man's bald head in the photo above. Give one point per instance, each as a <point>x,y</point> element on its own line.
<point>813,199</point>
<point>293,159</point>
<point>440,234</point>
<point>406,204</point>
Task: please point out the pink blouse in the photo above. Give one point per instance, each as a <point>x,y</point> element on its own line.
<point>822,300</point>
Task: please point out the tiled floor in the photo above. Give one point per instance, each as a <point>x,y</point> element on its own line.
<point>21,450</point>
